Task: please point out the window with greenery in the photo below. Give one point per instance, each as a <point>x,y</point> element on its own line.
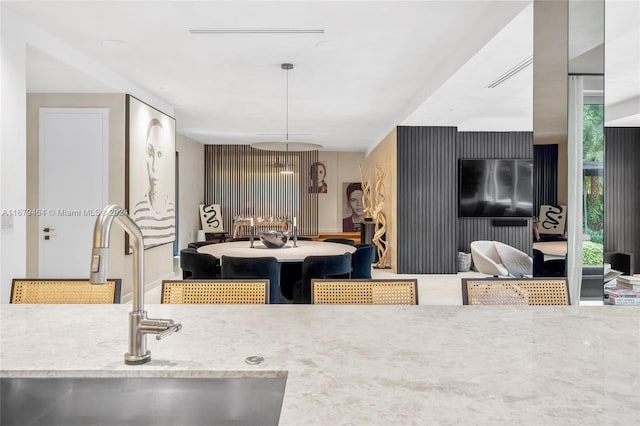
<point>593,156</point>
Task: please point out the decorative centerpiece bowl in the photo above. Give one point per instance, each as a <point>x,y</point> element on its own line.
<point>274,239</point>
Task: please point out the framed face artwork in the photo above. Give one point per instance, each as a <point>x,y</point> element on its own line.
<point>352,208</point>
<point>150,139</point>
<point>317,176</point>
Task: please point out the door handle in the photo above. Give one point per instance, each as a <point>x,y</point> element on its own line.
<point>47,229</point>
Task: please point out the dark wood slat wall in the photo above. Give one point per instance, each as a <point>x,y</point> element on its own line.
<point>493,145</point>
<point>244,182</point>
<point>622,191</point>
<point>427,200</point>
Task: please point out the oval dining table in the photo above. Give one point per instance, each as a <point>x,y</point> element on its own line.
<point>285,254</point>
<point>291,258</point>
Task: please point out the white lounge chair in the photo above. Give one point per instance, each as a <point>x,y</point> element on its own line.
<point>486,259</point>
<point>499,259</point>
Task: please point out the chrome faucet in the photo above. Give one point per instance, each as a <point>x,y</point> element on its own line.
<point>139,324</point>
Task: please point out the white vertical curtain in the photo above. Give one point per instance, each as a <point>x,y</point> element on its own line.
<point>575,187</point>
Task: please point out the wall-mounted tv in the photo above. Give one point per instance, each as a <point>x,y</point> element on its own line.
<point>495,188</point>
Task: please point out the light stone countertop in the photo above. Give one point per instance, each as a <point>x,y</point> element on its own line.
<point>365,365</point>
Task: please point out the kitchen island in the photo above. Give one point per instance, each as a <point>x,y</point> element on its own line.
<point>364,365</point>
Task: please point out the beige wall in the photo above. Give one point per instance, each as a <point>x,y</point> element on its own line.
<point>191,188</point>
<point>385,156</point>
<point>341,167</point>
<point>158,260</point>
<point>550,67</point>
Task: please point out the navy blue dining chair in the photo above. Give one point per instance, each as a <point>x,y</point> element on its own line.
<point>197,244</point>
<point>290,273</point>
<point>340,241</point>
<point>197,265</point>
<point>362,259</point>
<point>547,268</point>
<point>255,267</point>
<point>319,267</point>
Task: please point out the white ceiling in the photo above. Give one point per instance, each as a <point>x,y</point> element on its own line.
<point>378,64</point>
<point>622,63</point>
<point>465,100</point>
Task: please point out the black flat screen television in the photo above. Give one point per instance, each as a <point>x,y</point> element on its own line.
<point>495,188</point>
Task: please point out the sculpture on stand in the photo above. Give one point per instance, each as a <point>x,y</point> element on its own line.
<point>380,220</point>
<point>367,227</point>
<point>366,195</point>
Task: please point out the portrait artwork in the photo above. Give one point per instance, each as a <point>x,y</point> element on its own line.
<point>352,207</point>
<point>317,176</point>
<point>150,172</point>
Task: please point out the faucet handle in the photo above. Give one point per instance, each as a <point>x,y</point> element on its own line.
<point>170,330</point>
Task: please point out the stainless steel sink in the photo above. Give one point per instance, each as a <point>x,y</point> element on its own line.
<point>141,401</point>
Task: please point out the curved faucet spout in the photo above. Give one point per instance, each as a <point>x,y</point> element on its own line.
<point>139,324</point>
<point>100,253</point>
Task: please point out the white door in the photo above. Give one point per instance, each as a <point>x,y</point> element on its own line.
<point>74,150</point>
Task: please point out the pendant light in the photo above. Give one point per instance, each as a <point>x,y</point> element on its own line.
<point>287,169</point>
<point>286,145</point>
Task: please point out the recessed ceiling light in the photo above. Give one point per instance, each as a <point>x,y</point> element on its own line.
<point>114,44</point>
<point>255,31</point>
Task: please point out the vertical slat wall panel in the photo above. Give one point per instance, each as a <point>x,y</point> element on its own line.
<point>545,176</point>
<point>493,145</point>
<point>622,191</point>
<point>244,182</point>
<point>427,200</point>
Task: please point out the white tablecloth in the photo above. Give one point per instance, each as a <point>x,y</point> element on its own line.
<point>288,253</point>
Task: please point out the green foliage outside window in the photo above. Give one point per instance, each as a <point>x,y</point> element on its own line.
<point>592,253</point>
<point>593,150</point>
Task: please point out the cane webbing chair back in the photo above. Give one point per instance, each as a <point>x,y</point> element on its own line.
<point>64,291</point>
<point>364,292</point>
<point>216,291</point>
<point>529,291</point>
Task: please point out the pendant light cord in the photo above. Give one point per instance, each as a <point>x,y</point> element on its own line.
<point>287,169</point>
<point>287,114</point>
<point>286,154</point>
